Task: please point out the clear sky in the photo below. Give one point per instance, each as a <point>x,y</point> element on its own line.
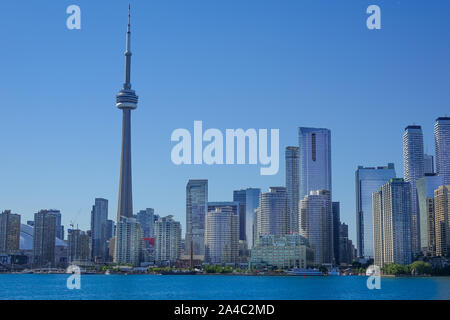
<point>231,64</point>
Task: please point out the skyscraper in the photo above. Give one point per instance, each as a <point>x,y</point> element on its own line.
<point>392,223</point>
<point>336,209</point>
<point>240,196</point>
<point>442,220</point>
<point>222,236</point>
<point>44,238</point>
<point>428,163</point>
<point>442,145</point>
<point>126,100</point>
<point>414,166</point>
<point>316,224</point>
<point>147,220</point>
<point>367,181</point>
<point>272,212</point>
<point>9,232</point>
<point>78,246</point>
<point>196,207</point>
<point>167,240</point>
<point>99,237</point>
<point>248,201</point>
<point>425,196</point>
<point>315,160</point>
<point>292,156</point>
<point>128,241</point>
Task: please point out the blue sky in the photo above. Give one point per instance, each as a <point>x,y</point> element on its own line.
<point>231,64</point>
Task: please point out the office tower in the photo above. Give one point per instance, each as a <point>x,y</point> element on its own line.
<point>392,223</point>
<point>222,235</point>
<point>286,252</point>
<point>248,201</point>
<point>167,240</point>
<point>367,181</point>
<point>414,166</point>
<point>336,210</point>
<point>59,227</point>
<point>9,232</point>
<point>110,229</point>
<point>99,238</point>
<point>240,196</point>
<point>315,160</point>
<point>78,246</point>
<point>346,247</point>
<point>272,213</point>
<point>128,242</point>
<point>196,207</point>
<point>316,224</point>
<point>442,146</point>
<point>442,220</point>
<point>428,164</point>
<point>44,238</point>
<point>425,196</point>
<point>147,220</point>
<point>292,156</point>
<point>126,100</point>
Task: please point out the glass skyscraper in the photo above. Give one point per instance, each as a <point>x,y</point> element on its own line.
<point>196,207</point>
<point>292,156</point>
<point>248,201</point>
<point>442,145</point>
<point>99,217</point>
<point>315,160</point>
<point>367,181</point>
<point>413,157</point>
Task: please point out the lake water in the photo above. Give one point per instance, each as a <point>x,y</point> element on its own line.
<point>138,287</point>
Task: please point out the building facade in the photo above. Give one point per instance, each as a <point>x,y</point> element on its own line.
<point>272,218</point>
<point>286,252</point>
<point>44,238</point>
<point>147,220</point>
<point>367,181</point>
<point>292,157</point>
<point>78,246</point>
<point>196,208</point>
<point>442,220</point>
<point>128,245</point>
<point>9,232</point>
<point>336,211</point>
<point>316,225</point>
<point>222,236</point>
<point>392,223</point>
<point>315,160</point>
<point>442,146</point>
<point>414,166</point>
<point>99,236</point>
<point>167,240</point>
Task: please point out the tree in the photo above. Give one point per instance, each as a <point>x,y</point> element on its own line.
<point>420,267</point>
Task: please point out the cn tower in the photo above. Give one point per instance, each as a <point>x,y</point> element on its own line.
<point>126,100</point>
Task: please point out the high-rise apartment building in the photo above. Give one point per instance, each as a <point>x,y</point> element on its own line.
<point>292,157</point>
<point>222,235</point>
<point>99,237</point>
<point>44,238</point>
<point>314,160</point>
<point>414,165</point>
<point>425,196</point>
<point>316,224</point>
<point>442,220</point>
<point>196,207</point>
<point>9,232</point>
<point>367,181</point>
<point>167,240</point>
<point>272,213</point>
<point>442,146</point>
<point>392,223</point>
<point>78,246</point>
<point>128,242</point>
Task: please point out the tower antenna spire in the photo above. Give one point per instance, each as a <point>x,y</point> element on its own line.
<point>127,84</point>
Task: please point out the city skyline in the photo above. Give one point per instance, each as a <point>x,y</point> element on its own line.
<point>59,172</point>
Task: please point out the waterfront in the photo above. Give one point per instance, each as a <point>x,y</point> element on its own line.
<point>156,287</point>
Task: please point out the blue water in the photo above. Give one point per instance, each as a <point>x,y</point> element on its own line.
<point>53,286</point>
